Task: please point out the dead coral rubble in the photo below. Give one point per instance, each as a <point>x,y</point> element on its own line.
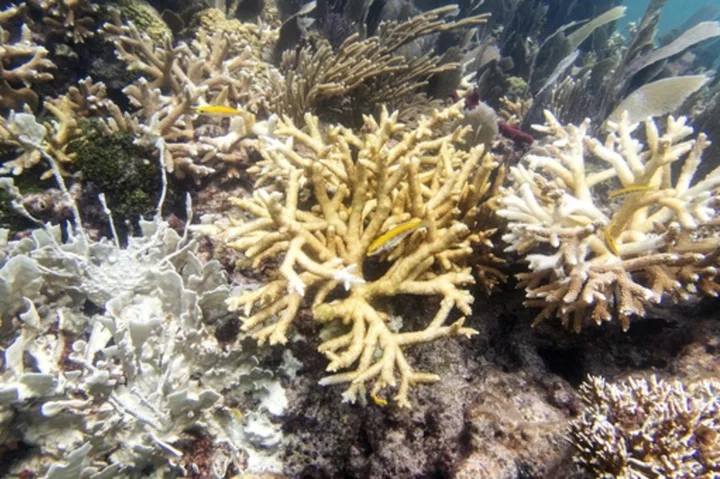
<point>335,194</point>
<point>648,428</point>
<point>656,240</point>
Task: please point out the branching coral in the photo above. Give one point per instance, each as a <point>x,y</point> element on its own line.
<point>22,63</point>
<point>336,194</point>
<point>657,239</point>
<point>363,73</point>
<point>174,80</point>
<point>259,38</point>
<point>58,135</point>
<point>83,101</point>
<point>643,428</point>
<point>73,18</point>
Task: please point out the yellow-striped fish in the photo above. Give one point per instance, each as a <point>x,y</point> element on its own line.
<point>394,236</point>
<point>610,242</point>
<point>218,110</point>
<point>631,189</point>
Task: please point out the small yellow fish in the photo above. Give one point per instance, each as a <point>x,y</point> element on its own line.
<point>379,401</point>
<point>610,242</point>
<point>394,236</point>
<point>631,189</point>
<point>237,414</point>
<point>218,110</point>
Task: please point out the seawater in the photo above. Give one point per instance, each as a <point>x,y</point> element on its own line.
<point>674,13</point>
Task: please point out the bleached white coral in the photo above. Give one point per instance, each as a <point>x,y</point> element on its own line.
<point>654,239</point>
<point>113,363</point>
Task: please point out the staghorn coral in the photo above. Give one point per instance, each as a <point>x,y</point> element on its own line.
<point>258,38</point>
<point>58,134</point>
<point>22,63</point>
<point>177,78</point>
<point>364,73</point>
<point>72,18</point>
<point>656,240</point>
<point>335,194</point>
<point>640,428</point>
<point>86,100</point>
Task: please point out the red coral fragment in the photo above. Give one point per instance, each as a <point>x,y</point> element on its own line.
<point>515,134</point>
<point>472,99</point>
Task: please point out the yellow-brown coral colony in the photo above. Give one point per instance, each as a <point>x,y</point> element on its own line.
<point>325,199</point>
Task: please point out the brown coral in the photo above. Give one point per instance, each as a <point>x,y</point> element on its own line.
<point>363,73</point>
<point>22,64</point>
<point>648,428</point>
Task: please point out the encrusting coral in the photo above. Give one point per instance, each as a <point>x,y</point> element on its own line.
<point>640,428</point>
<point>656,239</point>
<point>334,199</point>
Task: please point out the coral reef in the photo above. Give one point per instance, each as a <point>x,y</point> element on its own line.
<point>656,241</point>
<point>241,35</point>
<point>610,76</point>
<point>362,241</point>
<point>123,171</point>
<point>337,211</point>
<point>648,428</point>
<point>145,18</point>
<point>74,19</point>
<point>86,103</point>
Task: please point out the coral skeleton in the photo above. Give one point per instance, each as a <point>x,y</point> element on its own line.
<point>655,240</point>
<point>641,428</point>
<point>327,198</point>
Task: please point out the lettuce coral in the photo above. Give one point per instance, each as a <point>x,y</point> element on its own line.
<point>655,239</point>
<point>327,197</point>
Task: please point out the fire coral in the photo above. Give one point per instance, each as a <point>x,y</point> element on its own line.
<point>328,196</point>
<point>655,239</point>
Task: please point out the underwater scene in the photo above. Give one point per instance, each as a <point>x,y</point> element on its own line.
<point>402,239</point>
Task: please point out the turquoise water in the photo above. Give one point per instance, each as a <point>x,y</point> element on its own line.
<point>674,13</point>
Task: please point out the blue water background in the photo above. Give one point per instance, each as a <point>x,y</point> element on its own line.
<point>674,13</point>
